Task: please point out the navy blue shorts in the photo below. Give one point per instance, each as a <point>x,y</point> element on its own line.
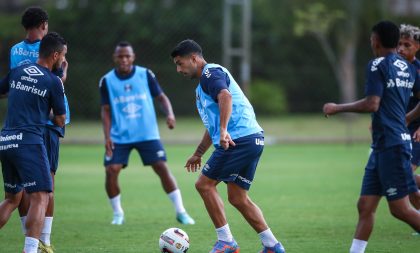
<point>26,166</point>
<point>236,164</point>
<point>388,173</point>
<point>52,144</point>
<point>150,153</point>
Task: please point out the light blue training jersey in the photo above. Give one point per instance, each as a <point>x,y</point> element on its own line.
<point>26,52</point>
<point>133,116</point>
<point>242,121</point>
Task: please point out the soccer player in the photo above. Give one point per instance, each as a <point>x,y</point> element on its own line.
<point>35,22</point>
<point>129,122</point>
<point>232,128</point>
<point>389,83</point>
<point>32,92</point>
<point>408,46</point>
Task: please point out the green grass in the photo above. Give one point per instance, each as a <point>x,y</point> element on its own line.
<point>307,193</point>
<point>308,128</point>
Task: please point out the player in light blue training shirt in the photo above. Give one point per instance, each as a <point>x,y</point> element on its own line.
<point>389,82</point>
<point>129,122</point>
<point>232,128</point>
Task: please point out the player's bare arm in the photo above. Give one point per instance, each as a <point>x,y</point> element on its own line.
<point>194,162</point>
<point>106,125</point>
<point>166,106</point>
<point>367,104</point>
<point>225,107</point>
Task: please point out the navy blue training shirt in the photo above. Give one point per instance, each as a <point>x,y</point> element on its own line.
<point>392,79</point>
<point>32,92</point>
<point>415,124</point>
<point>213,81</point>
<point>153,83</point>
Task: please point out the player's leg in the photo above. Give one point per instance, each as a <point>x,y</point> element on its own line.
<point>23,210</point>
<point>152,153</point>
<point>370,196</point>
<point>33,167</point>
<point>402,210</point>
<point>239,198</point>
<point>114,193</point>
<point>206,187</point>
<point>35,219</point>
<point>113,167</point>
<point>12,189</point>
<point>8,205</point>
<point>52,145</point>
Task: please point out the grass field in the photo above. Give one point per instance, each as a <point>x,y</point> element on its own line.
<point>307,192</point>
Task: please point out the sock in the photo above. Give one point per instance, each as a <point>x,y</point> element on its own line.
<point>267,238</point>
<point>116,204</point>
<point>176,198</point>
<point>358,246</point>
<point>46,231</point>
<point>23,223</point>
<point>31,245</point>
<point>224,234</point>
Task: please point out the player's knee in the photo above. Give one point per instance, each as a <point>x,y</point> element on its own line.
<point>364,209</point>
<point>202,187</point>
<point>112,171</point>
<point>237,201</point>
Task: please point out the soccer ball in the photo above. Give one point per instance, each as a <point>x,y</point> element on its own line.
<point>174,240</point>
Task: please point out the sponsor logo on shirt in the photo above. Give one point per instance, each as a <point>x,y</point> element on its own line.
<point>375,64</point>
<point>127,99</point>
<point>33,71</point>
<point>8,146</point>
<point>399,83</point>
<point>259,142</point>
<point>31,89</point>
<point>132,110</point>
<point>405,137</point>
<point>401,65</point>
<point>12,137</point>
<point>23,52</point>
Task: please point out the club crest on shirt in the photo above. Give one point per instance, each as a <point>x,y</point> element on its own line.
<point>128,87</point>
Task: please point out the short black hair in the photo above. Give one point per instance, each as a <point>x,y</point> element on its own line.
<point>186,47</point>
<point>51,43</point>
<point>388,33</point>
<point>33,17</point>
<point>124,44</point>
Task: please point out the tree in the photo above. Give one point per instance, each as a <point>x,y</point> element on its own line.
<point>318,21</point>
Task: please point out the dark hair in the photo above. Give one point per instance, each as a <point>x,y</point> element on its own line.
<point>186,47</point>
<point>51,43</point>
<point>124,44</point>
<point>388,33</point>
<point>33,17</point>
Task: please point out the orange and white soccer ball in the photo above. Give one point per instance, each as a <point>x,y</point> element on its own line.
<point>174,240</point>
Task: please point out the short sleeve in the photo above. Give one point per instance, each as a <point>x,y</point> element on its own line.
<point>374,85</point>
<point>104,92</point>
<point>4,84</point>
<point>154,87</point>
<point>57,97</point>
<point>213,81</point>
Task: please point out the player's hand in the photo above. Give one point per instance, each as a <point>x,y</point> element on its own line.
<point>64,65</point>
<point>329,109</point>
<point>416,135</point>
<point>193,163</point>
<point>226,140</point>
<point>171,121</point>
<point>109,147</point>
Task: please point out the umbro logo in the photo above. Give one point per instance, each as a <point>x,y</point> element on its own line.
<point>33,71</point>
<point>392,191</point>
